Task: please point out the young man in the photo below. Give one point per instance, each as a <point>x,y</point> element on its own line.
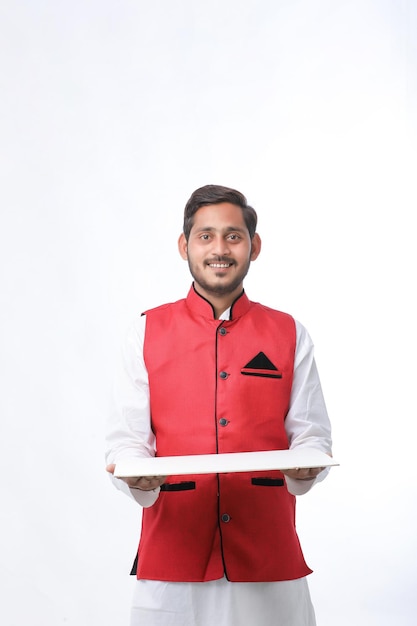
<point>217,373</point>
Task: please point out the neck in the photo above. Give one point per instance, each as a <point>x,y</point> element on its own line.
<point>219,302</point>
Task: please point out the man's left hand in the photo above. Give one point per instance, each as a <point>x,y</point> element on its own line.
<point>303,473</point>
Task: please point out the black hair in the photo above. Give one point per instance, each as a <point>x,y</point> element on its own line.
<point>215,194</point>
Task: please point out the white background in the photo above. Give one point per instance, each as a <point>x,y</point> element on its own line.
<point>112,113</point>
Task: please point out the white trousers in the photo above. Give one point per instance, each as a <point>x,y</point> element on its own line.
<point>222,603</point>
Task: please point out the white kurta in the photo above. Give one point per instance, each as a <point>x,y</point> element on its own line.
<point>215,603</point>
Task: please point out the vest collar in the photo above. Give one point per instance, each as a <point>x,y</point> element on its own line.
<point>200,306</point>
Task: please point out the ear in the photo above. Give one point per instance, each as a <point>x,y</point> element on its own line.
<point>256,247</point>
<point>182,246</point>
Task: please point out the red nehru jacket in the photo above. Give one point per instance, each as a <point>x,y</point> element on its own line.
<point>220,386</point>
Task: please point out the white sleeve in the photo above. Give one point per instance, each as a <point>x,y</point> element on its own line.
<point>129,433</point>
<point>307,423</point>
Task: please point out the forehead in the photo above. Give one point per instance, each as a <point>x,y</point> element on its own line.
<point>219,216</point>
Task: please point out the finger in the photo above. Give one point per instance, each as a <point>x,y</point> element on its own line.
<point>146,483</point>
<point>110,468</point>
<point>309,473</point>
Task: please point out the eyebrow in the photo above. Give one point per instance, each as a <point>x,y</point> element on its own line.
<point>228,229</point>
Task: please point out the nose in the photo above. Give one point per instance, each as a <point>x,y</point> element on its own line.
<point>221,246</point>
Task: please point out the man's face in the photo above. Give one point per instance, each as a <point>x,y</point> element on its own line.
<point>219,250</point>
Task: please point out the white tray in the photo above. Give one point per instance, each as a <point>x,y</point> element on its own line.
<point>221,463</point>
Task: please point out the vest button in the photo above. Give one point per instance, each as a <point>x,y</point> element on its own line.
<point>223,375</point>
<point>223,421</point>
<point>222,331</point>
<point>225,518</point>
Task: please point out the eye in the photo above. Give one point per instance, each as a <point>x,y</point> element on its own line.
<point>205,237</point>
<point>233,237</point>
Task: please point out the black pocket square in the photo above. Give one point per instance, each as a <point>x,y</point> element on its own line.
<point>260,365</point>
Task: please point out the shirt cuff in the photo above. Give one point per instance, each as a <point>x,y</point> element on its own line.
<point>145,498</point>
<point>300,487</point>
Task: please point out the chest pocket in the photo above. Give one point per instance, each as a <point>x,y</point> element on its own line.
<point>262,366</point>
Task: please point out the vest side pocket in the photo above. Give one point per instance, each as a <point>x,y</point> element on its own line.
<point>183,486</point>
<point>268,482</point>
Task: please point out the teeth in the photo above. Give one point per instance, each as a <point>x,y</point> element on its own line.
<point>219,264</point>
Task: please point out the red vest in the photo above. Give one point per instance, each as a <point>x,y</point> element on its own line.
<point>220,386</point>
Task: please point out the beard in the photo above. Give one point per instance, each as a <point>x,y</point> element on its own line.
<point>224,285</point>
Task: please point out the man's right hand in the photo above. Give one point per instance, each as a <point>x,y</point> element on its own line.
<point>144,483</point>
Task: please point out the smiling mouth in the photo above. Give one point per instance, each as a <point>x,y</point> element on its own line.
<point>220,263</point>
